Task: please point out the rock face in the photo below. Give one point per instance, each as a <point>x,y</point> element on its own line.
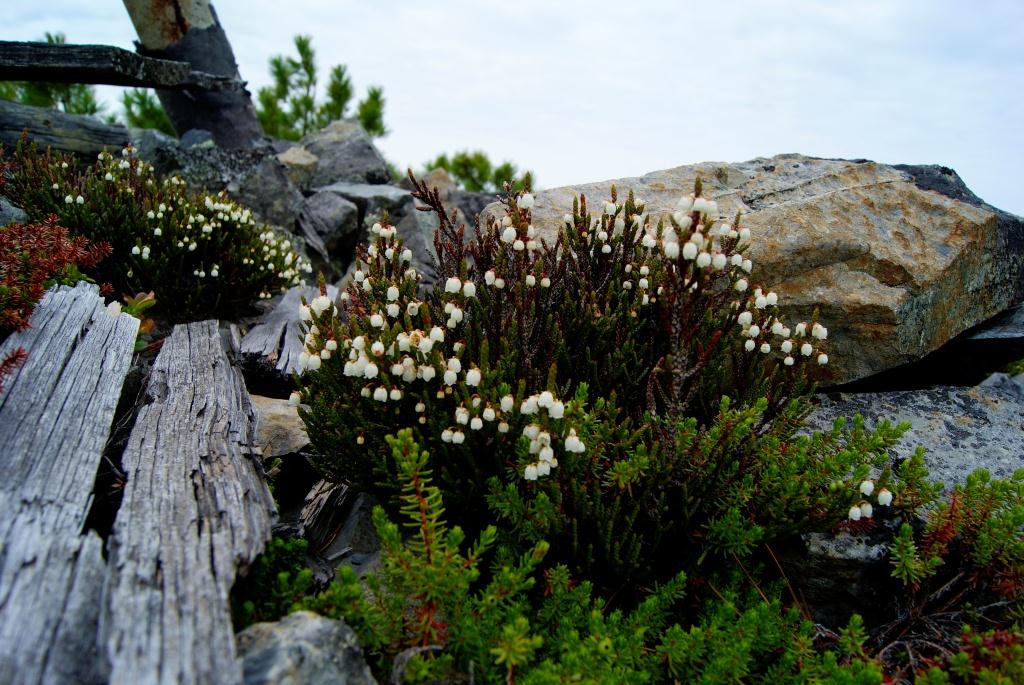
<point>897,260</point>
<point>302,648</point>
<point>279,429</point>
<point>961,429</point>
<point>330,225</point>
<point>9,214</point>
<point>345,152</point>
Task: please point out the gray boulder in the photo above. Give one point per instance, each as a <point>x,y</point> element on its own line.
<point>152,145</point>
<point>330,225</point>
<point>279,430</point>
<point>345,152</point>
<point>373,200</point>
<point>961,429</point>
<point>10,214</point>
<point>301,649</point>
<point>896,260</point>
<point>266,189</point>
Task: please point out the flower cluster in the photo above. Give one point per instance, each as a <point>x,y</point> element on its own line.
<point>205,253</point>
<point>394,352</point>
<point>863,508</point>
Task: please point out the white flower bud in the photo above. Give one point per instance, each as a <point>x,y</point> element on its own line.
<point>473,377</point>
<point>747,265</point>
<point>489,277</point>
<point>884,497</point>
<point>719,261</point>
<point>766,348</point>
<point>508,235</point>
<point>786,346</point>
<point>671,249</point>
<point>518,246</point>
<point>788,361</point>
<point>380,394</point>
<point>741,285</point>
<point>395,394</point>
<point>392,293</point>
<point>377,321</point>
<point>507,402</point>
<point>525,201</point>
<point>749,346</point>
<point>866,487</point>
<point>866,509</point>
<point>530,472</point>
<point>690,251</point>
<point>855,513</point>
<point>531,280</point>
<point>745,318</point>
<point>450,377</point>
<point>313,364</point>
<point>806,349</point>
<point>458,437</point>
<point>822,359</point>
<point>452,285</point>
<point>469,289</point>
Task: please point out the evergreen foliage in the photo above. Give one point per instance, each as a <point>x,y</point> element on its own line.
<point>474,171</point>
<point>289,109</point>
<point>203,253</point>
<point>143,110</point>
<point>73,98</point>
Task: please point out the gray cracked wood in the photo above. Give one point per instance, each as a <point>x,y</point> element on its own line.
<point>277,337</point>
<point>195,509</point>
<point>76,133</point>
<point>63,63</point>
<point>55,418</point>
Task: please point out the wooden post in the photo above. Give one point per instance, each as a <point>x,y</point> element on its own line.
<point>188,31</point>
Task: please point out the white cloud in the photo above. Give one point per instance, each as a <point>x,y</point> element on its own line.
<point>582,91</point>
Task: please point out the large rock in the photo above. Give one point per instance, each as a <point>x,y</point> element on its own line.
<point>897,260</point>
<point>372,199</point>
<point>330,225</point>
<point>345,152</point>
<point>267,189</point>
<point>300,649</point>
<point>300,164</point>
<point>10,214</point>
<point>961,429</point>
<point>279,430</point>
<point>415,228</point>
<point>252,176</point>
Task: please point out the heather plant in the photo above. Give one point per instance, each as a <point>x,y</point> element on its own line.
<point>625,393</point>
<point>203,255</point>
<point>33,258</point>
<point>431,613</point>
<point>962,565</point>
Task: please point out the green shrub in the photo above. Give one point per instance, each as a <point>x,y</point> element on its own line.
<point>607,393</point>
<point>202,255</point>
<point>276,583</point>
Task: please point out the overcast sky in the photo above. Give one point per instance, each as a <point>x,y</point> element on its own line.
<point>588,91</point>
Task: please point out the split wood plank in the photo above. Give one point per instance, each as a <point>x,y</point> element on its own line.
<point>106,64</point>
<point>55,417</point>
<point>195,509</point>
<point>277,337</point>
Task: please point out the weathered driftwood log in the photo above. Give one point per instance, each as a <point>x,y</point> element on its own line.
<point>55,418</point>
<point>277,337</point>
<point>190,32</point>
<point>195,509</point>
<point>77,133</point>
<point>62,63</point>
